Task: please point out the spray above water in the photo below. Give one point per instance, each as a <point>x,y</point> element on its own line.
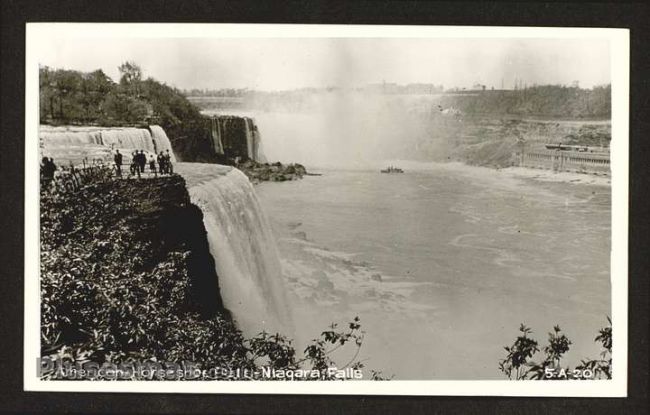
<point>347,129</point>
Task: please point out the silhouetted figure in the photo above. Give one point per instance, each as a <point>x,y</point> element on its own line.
<point>118,163</point>
<point>152,165</point>
<point>168,163</point>
<point>161,162</point>
<point>47,171</point>
<point>135,168</point>
<point>142,161</point>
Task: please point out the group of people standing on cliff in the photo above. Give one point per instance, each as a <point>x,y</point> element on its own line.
<point>139,162</point>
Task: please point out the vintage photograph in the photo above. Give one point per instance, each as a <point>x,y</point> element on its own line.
<point>221,204</point>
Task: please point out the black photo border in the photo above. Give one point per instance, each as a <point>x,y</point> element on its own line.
<point>15,14</point>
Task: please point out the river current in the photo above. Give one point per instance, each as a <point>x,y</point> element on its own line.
<point>443,263</point>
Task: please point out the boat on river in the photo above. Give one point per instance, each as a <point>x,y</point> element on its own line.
<point>391,169</point>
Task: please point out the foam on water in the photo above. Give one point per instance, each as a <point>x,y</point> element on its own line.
<point>444,262</point>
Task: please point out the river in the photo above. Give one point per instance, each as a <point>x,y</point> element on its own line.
<point>443,263</point>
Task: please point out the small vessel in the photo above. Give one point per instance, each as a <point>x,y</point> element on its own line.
<point>391,169</point>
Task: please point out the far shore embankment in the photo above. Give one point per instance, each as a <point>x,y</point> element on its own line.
<point>515,172</point>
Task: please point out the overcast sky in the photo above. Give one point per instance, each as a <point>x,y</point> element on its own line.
<point>285,63</point>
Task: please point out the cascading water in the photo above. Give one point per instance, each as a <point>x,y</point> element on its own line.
<point>236,136</point>
<point>72,145</point>
<point>161,141</point>
<point>128,138</point>
<point>248,131</point>
<point>258,151</point>
<point>215,133</point>
<point>243,246</point>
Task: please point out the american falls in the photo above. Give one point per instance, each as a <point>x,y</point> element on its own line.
<point>243,247</point>
<point>76,145</point>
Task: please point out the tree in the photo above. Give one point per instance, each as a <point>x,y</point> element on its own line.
<point>131,77</point>
<point>94,87</point>
<point>123,108</point>
<point>130,72</point>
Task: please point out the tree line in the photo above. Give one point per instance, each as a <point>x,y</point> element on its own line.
<point>556,101</point>
<point>93,98</point>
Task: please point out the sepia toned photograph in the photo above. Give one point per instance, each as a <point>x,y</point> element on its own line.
<point>213,205</point>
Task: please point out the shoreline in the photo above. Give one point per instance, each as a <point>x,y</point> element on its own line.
<point>516,172</point>
<point>543,175</point>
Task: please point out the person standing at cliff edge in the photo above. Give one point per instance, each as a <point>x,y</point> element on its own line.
<point>118,163</point>
<point>135,168</point>
<point>142,161</point>
<point>161,163</point>
<point>168,162</point>
<point>47,171</point>
<point>152,165</point>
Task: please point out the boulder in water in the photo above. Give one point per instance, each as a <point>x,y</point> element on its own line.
<point>301,235</point>
<point>276,172</point>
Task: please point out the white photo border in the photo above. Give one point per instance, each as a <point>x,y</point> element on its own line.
<point>620,68</point>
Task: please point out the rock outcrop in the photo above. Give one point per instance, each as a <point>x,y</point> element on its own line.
<point>274,172</point>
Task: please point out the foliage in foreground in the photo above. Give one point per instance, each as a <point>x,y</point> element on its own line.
<point>518,363</point>
<point>117,288</point>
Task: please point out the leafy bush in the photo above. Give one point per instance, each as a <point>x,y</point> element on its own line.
<point>518,363</point>
<point>117,287</point>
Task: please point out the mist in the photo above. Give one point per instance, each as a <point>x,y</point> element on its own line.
<point>346,129</point>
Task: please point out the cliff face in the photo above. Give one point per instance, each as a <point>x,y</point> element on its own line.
<point>491,141</point>
<point>222,139</point>
<point>125,270</point>
<point>196,146</point>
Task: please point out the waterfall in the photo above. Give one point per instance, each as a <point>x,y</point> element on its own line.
<point>128,138</point>
<point>258,151</point>
<point>236,136</point>
<point>243,246</point>
<point>248,132</point>
<point>161,141</point>
<point>73,144</point>
<point>253,140</point>
<point>215,133</point>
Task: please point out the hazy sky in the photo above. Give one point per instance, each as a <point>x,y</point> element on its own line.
<point>287,63</point>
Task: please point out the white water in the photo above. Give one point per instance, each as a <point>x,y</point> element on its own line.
<point>253,138</point>
<point>215,126</point>
<point>161,141</point>
<point>442,264</point>
<point>342,130</point>
<point>249,138</point>
<point>243,246</point>
<point>71,145</point>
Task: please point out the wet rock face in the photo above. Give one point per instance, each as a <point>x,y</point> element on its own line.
<point>233,134</point>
